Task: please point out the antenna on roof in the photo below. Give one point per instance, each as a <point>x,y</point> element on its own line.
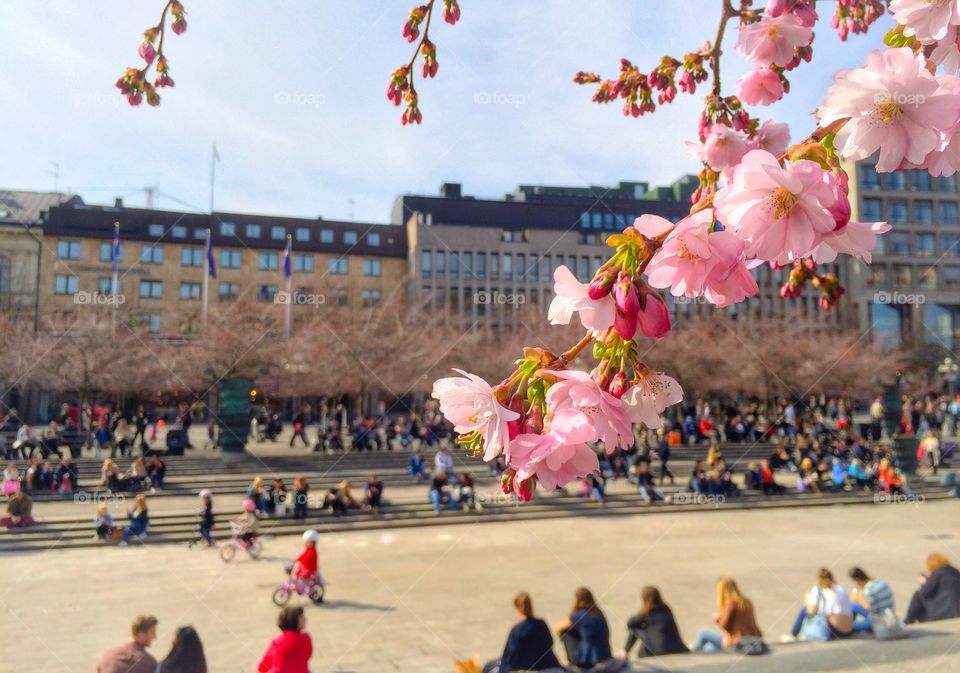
<point>350,201</point>
<point>56,175</point>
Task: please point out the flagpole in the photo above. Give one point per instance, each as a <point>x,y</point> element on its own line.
<point>115,280</point>
<point>206,278</point>
<point>214,156</point>
<point>289,263</point>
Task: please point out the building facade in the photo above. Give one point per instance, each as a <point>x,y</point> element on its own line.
<point>483,259</point>
<point>161,268</point>
<point>910,295</point>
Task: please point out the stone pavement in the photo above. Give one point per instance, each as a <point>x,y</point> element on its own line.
<point>413,600</point>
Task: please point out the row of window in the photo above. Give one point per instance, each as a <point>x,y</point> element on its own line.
<point>892,323</point>
<point>229,259</point>
<point>905,276</point>
<point>915,181</point>
<point>898,212</point>
<point>189,290</point>
<point>519,266</point>
<point>903,244</point>
<point>277,233</point>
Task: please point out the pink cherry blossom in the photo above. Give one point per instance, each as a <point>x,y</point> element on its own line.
<point>721,149</point>
<point>654,317</point>
<point>771,136</point>
<point>946,52</point>
<point>802,9</point>
<point>773,39</point>
<point>760,87</point>
<point>695,262</point>
<point>781,212</point>
<point>857,239</point>
<point>649,396</point>
<point>557,456</point>
<point>893,105</point>
<point>577,390</point>
<point>572,296</point>
<point>469,403</point>
<point>928,20</point>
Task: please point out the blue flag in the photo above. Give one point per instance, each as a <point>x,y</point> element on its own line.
<point>115,252</point>
<point>287,270</point>
<point>211,263</point>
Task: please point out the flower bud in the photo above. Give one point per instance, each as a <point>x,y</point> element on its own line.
<point>602,284</point>
<point>179,26</point>
<point>618,386</point>
<point>625,295</point>
<point>147,52</point>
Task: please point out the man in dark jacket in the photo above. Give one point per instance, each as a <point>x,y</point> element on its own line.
<point>939,594</point>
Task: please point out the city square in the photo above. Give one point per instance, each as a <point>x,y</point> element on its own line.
<point>480,337</point>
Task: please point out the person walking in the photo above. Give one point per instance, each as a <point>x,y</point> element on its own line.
<point>300,426</point>
<point>663,452</point>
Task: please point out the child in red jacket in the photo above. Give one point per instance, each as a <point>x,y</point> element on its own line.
<point>306,566</point>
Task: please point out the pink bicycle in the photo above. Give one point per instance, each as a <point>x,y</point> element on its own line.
<point>228,551</point>
<point>312,589</point>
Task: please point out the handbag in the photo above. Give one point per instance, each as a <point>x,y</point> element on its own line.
<point>886,626</point>
<point>816,626</point>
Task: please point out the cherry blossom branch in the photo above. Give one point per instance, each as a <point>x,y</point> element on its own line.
<point>402,86</point>
<point>133,83</point>
<point>717,51</point>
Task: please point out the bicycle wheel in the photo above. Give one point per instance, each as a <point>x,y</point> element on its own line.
<point>255,549</point>
<point>227,552</point>
<point>317,592</point>
<point>281,596</point>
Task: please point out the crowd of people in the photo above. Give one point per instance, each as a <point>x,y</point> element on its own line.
<point>829,612</point>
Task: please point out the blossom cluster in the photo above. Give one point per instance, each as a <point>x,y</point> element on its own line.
<point>134,83</point>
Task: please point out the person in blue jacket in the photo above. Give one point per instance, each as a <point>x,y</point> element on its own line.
<point>585,635</point>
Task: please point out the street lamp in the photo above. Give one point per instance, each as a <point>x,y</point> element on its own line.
<point>948,369</point>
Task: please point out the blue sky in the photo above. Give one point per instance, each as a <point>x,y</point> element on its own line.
<point>292,91</point>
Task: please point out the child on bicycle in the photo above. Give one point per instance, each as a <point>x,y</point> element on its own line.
<point>248,522</point>
<point>305,566</point>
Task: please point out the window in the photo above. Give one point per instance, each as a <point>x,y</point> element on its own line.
<point>521,266</point>
<point>887,323</point>
<point>266,292</point>
<point>267,261</point>
<point>303,263</point>
<point>547,269</point>
<point>951,277</point>
<point>326,235</point>
<point>920,181</point>
<point>426,264</point>
<point>105,285</point>
<point>588,238</point>
<point>871,210</point>
<point>584,220</point>
<point>106,252</point>
<point>583,271</point>
<point>154,321</point>
<point>151,254</point>
<point>572,263</point>
<point>948,212</point>
<point>898,243</point>
<point>481,269</point>
<point>902,275</point>
<point>534,271</point>
<point>597,219</point>
<point>608,221</point>
<point>370,297</point>
<point>895,181</point>
<point>337,266</point>
<point>189,290</point>
<point>925,245</point>
<point>950,246</point>
<point>454,265</point>
<point>938,323</point>
<point>897,211</point>
<point>349,237</point>
<point>155,230</point>
<point>869,178</point>
<point>253,231</point>
<point>151,289</point>
<point>340,296</point>
<point>373,238</point>
<point>303,234</point>
<point>278,233</point>
<point>923,212</point>
<point>946,184</point>
<point>512,236</point>
<point>66,284</point>
<point>228,229</point>
<point>191,256</point>
<point>229,259</point>
<point>595,266</point>
<point>371,267</point>
<point>507,267</point>
<point>179,231</point>
<point>200,234</point>
<point>494,265</point>
<point>68,249</point>
<point>928,279</point>
<point>466,261</point>
<point>228,291</point>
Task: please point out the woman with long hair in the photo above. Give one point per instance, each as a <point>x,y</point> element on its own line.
<point>654,627</point>
<point>939,594</point>
<point>585,634</point>
<point>529,645</point>
<point>734,616</point>
<point>186,653</point>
